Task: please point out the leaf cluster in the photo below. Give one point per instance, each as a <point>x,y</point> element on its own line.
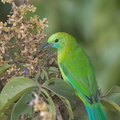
<point>20,40</point>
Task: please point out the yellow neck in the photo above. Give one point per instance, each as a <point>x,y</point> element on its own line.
<point>68,49</point>
<point>62,53</point>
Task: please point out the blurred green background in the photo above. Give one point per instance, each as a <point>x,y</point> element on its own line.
<point>96,26</point>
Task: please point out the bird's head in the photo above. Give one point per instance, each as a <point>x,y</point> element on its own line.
<point>58,40</point>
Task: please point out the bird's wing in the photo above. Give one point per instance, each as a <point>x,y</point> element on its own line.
<point>79,72</point>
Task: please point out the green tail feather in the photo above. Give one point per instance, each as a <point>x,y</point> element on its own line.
<point>95,111</point>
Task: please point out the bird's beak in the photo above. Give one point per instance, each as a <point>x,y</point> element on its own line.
<point>46,45</point>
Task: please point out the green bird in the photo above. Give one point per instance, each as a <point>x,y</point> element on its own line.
<point>76,69</point>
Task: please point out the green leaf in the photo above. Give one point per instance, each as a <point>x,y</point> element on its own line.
<point>114,95</point>
<point>3,68</point>
<point>111,105</point>
<point>63,90</point>
<point>112,99</point>
<point>68,106</point>
<point>13,90</point>
<point>51,105</point>
<point>22,107</point>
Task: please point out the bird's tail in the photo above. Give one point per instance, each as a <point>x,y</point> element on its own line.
<point>95,111</point>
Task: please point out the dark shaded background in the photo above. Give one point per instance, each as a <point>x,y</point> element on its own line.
<point>96,26</point>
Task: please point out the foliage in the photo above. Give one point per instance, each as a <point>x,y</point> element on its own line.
<point>112,99</point>
<point>13,90</point>
<point>20,40</point>
<point>20,56</point>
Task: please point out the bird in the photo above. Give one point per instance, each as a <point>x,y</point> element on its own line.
<point>77,70</point>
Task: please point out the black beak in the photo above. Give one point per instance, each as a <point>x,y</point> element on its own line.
<point>46,45</point>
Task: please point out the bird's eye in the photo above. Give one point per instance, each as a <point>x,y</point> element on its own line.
<point>56,40</point>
